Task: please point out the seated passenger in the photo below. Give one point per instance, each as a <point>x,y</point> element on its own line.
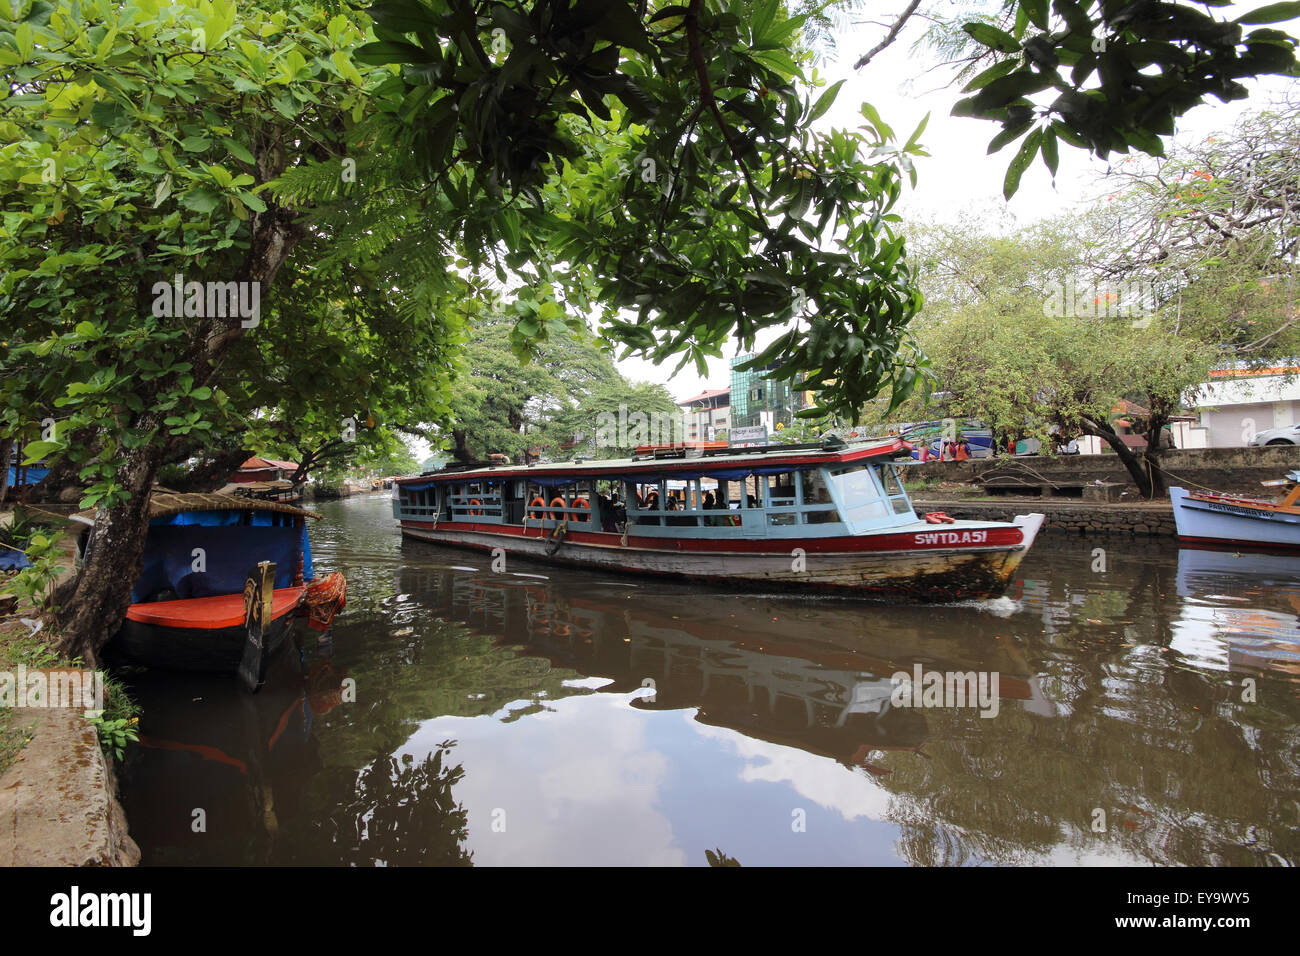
<point>651,503</point>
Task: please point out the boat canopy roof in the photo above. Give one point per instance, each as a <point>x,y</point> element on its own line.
<point>233,533</point>
<point>684,466</point>
<point>166,504</point>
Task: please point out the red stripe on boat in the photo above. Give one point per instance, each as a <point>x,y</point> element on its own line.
<point>926,538</point>
<point>209,613</point>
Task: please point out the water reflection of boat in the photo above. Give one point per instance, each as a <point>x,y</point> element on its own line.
<point>807,676</point>
<point>1251,600</point>
<point>217,765</point>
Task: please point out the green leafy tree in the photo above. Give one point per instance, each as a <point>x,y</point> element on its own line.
<point>1111,76</point>
<point>1002,352</point>
<point>552,401</point>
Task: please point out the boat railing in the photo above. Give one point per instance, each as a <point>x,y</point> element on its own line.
<point>552,514</point>
<point>475,506</point>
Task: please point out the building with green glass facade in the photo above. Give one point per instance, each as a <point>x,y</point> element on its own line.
<point>757,399</point>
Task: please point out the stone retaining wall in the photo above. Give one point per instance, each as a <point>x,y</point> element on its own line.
<point>1070,517</point>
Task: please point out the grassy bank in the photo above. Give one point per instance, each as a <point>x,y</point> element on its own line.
<point>23,645</point>
<point>19,647</point>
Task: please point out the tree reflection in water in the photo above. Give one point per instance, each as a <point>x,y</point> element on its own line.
<point>398,811</point>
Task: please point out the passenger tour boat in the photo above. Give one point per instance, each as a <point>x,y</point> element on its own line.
<point>830,516</point>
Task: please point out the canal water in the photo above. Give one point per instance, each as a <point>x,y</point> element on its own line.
<point>1147,711</point>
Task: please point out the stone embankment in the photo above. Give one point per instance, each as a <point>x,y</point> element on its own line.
<point>1069,517</point>
<point>58,803</point>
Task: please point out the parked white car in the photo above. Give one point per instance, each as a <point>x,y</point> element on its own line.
<point>1286,435</point>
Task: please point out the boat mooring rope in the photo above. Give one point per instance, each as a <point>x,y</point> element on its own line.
<point>557,537</point>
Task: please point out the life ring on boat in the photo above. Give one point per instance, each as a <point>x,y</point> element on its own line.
<point>582,503</point>
<point>472,503</point>
<point>557,509</point>
<point>938,517</point>
<point>537,508</point>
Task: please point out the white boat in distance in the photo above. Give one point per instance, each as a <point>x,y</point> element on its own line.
<point>1210,518</point>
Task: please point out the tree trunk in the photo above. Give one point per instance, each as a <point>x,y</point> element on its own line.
<point>103,591</point>
<point>1136,465</point>
<point>462,452</point>
<point>6,450</point>
<point>1156,422</point>
<point>112,565</point>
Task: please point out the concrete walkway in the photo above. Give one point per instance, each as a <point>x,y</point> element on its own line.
<point>57,805</point>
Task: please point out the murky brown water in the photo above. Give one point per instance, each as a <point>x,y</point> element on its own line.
<point>1148,712</point>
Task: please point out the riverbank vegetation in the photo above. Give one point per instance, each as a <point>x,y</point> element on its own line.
<point>283,220</point>
<point>549,405</point>
<point>1181,265</point>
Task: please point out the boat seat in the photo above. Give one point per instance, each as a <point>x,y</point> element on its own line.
<point>219,611</point>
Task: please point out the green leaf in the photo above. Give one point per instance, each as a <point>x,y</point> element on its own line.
<point>383,52</point>
<point>1272,13</point>
<point>1036,10</point>
<point>239,151</point>
<point>1050,156</point>
<point>912,140</point>
<point>36,450</point>
<point>1021,162</point>
<point>991,74</point>
<point>873,117</point>
<point>825,101</point>
<point>991,36</point>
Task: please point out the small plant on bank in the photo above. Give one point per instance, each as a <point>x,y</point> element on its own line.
<point>35,584</point>
<point>117,724</point>
<point>115,734</point>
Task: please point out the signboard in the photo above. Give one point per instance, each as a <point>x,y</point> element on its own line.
<point>754,436</point>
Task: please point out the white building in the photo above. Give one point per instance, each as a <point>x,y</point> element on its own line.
<point>1238,403</point>
<point>707,416</point>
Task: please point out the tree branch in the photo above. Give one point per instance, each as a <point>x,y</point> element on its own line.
<point>890,37</point>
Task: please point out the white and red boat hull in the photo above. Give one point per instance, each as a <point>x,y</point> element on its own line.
<point>929,562</point>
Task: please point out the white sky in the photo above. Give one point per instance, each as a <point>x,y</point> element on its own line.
<point>959,175</point>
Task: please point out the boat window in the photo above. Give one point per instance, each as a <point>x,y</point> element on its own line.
<point>780,490</point>
<point>859,493</point>
<point>815,498</point>
<point>646,502</point>
<point>780,497</point>
<point>894,489</point>
<point>813,488</point>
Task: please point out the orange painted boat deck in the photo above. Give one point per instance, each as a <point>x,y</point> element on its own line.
<point>209,613</point>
